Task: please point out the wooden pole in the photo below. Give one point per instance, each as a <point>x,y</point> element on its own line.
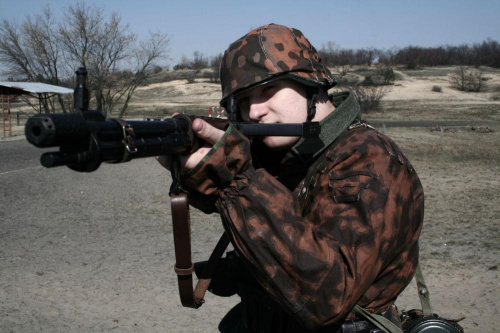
<point>3,116</point>
<point>10,119</point>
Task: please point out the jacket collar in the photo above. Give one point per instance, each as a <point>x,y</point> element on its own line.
<point>347,110</point>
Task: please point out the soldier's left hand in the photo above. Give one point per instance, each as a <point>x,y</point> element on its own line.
<point>209,134</point>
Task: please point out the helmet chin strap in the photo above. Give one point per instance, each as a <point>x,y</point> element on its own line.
<point>231,108</point>
<point>312,99</point>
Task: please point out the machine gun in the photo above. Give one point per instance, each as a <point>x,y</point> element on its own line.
<point>86,138</point>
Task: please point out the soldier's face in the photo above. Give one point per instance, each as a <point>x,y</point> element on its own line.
<point>278,102</point>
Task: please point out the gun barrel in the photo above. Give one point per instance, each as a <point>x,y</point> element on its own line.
<point>54,130</point>
<point>307,130</point>
<point>54,159</point>
<point>67,129</point>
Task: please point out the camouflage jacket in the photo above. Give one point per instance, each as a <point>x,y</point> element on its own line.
<point>349,236</point>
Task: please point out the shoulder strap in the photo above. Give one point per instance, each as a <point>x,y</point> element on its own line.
<point>388,326</point>
<point>183,264</point>
<point>182,244</point>
<point>181,225</point>
<point>423,293</point>
<point>380,321</point>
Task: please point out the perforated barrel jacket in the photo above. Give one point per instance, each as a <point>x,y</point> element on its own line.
<point>333,223</point>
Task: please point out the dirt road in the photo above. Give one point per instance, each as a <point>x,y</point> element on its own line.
<point>94,252</point>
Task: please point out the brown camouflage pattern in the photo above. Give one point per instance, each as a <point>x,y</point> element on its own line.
<point>352,238</point>
<point>269,51</point>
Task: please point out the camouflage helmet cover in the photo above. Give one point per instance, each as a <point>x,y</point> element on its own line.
<point>268,53</point>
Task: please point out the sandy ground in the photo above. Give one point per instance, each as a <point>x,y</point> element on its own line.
<point>94,253</point>
<point>176,94</point>
<point>420,88</point>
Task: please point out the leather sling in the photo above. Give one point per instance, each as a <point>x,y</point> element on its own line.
<point>183,265</point>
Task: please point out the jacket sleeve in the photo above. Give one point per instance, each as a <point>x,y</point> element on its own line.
<point>316,266</point>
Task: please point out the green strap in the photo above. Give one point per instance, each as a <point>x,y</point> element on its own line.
<point>388,326</point>
<point>423,293</point>
<point>380,321</point>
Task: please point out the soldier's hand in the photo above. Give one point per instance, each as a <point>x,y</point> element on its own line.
<point>209,134</point>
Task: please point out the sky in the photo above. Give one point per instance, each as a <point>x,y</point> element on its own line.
<point>210,26</point>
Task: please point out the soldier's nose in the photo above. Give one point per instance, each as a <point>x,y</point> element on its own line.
<point>257,111</point>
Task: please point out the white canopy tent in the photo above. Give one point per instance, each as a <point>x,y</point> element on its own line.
<point>9,90</point>
<point>36,88</point>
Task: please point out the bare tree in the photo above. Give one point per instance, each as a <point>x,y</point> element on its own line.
<point>215,63</point>
<point>32,52</point>
<point>386,57</point>
<point>364,56</point>
<point>199,61</point>
<point>79,31</point>
<point>185,63</point>
<point>144,62</point>
<point>328,53</point>
<point>116,60</point>
<point>467,80</point>
<point>458,79</point>
<point>344,59</point>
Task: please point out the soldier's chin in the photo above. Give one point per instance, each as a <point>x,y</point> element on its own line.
<point>279,142</point>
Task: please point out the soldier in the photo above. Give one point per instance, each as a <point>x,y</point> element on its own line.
<point>318,225</point>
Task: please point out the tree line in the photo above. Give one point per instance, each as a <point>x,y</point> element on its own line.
<point>486,53</point>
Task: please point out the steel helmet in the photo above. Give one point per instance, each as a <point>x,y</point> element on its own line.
<point>268,53</point>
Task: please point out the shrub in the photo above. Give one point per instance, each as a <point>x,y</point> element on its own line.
<point>368,81</point>
<point>157,69</point>
<point>369,97</point>
<point>184,64</point>
<point>437,89</point>
<point>475,81</point>
<point>496,97</point>
<point>388,75</point>
<point>191,77</point>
